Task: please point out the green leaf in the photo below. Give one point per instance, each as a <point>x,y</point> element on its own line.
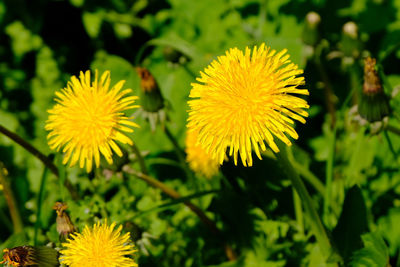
<point>374,254</point>
<point>123,30</point>
<point>390,230</point>
<point>351,225</point>
<point>92,22</point>
<point>23,41</point>
<point>14,240</point>
<point>360,158</point>
<point>177,43</point>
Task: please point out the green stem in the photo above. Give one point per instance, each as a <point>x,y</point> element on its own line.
<point>261,20</point>
<point>163,161</point>
<point>306,173</point>
<point>298,211</point>
<point>140,159</point>
<point>179,152</point>
<point>314,219</point>
<point>189,71</point>
<point>329,95</point>
<point>39,155</point>
<point>39,205</point>
<point>391,148</point>
<point>355,85</point>
<point>12,204</point>
<point>311,178</point>
<point>393,129</point>
<point>329,175</point>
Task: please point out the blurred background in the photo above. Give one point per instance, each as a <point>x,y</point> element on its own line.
<point>44,42</point>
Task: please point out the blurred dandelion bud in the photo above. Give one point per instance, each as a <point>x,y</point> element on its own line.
<point>311,35</point>
<point>350,43</point>
<point>30,256</point>
<point>64,225</point>
<point>351,29</point>
<point>174,56</point>
<point>152,101</point>
<point>374,104</point>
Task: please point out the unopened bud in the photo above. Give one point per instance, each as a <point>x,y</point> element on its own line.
<point>174,56</point>
<point>152,101</point>
<point>311,35</point>
<point>350,44</point>
<point>64,224</point>
<point>313,19</point>
<point>374,104</point>
<point>351,29</point>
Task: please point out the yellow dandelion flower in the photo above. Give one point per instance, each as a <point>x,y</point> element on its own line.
<point>88,118</point>
<point>244,100</point>
<point>99,246</point>
<point>199,160</point>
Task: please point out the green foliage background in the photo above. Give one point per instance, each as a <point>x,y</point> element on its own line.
<point>43,43</point>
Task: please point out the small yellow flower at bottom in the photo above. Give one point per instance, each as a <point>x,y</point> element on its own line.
<point>99,246</point>
<point>199,160</point>
<point>245,99</point>
<point>88,118</point>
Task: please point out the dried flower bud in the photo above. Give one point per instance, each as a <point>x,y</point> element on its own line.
<point>64,224</point>
<point>30,256</point>
<point>147,81</point>
<point>374,104</point>
<point>311,35</point>
<point>372,83</point>
<point>152,101</point>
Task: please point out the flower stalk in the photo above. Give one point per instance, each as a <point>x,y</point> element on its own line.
<point>179,152</point>
<point>314,219</point>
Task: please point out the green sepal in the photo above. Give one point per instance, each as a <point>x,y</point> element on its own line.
<point>374,107</point>
<point>151,101</point>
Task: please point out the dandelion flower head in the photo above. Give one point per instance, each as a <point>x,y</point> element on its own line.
<point>244,100</point>
<point>99,246</point>
<point>88,118</point>
<point>199,160</point>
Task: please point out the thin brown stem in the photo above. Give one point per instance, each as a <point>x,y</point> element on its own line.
<point>12,204</point>
<point>39,155</point>
<point>230,254</point>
